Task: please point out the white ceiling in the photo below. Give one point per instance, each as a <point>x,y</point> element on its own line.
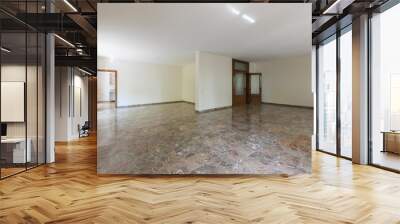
<point>171,33</point>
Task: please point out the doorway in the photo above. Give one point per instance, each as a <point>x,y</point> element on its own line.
<point>255,88</point>
<point>107,96</point>
<point>246,87</point>
<point>240,79</point>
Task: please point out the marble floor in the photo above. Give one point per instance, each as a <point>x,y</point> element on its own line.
<point>174,139</point>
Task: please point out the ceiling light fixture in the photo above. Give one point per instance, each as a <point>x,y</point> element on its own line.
<point>327,11</point>
<point>70,5</point>
<point>64,40</point>
<point>248,18</point>
<point>5,50</point>
<point>86,72</point>
<point>235,11</point>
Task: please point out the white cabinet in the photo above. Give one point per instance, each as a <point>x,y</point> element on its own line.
<point>19,155</point>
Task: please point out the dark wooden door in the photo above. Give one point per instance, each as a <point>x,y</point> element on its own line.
<point>239,88</point>
<point>240,82</point>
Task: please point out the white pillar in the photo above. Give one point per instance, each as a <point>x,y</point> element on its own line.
<point>360,90</point>
<point>314,93</point>
<point>50,99</point>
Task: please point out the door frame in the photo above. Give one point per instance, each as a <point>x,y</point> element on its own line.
<point>247,92</point>
<point>115,72</point>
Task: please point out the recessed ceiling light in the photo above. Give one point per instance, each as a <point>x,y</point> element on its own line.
<point>70,5</point>
<point>235,11</point>
<point>64,40</point>
<point>248,18</point>
<point>86,72</point>
<point>5,50</point>
<point>326,11</point>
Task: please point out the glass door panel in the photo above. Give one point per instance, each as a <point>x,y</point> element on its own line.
<point>240,83</point>
<point>22,88</point>
<point>14,153</point>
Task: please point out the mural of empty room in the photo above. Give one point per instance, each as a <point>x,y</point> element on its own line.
<point>211,88</point>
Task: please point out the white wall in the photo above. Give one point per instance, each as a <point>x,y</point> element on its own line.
<point>62,81</point>
<point>208,82</point>
<point>252,67</point>
<point>188,83</point>
<point>213,81</point>
<point>103,87</point>
<point>145,83</point>
<point>67,112</point>
<point>287,81</point>
<point>16,72</point>
<point>80,83</point>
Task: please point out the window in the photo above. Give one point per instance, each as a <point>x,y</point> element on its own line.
<point>385,89</point>
<point>346,93</point>
<point>327,96</point>
<point>334,94</point>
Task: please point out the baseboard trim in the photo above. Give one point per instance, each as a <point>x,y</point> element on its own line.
<point>288,105</point>
<point>213,109</point>
<point>150,104</point>
<point>106,101</point>
<point>183,101</point>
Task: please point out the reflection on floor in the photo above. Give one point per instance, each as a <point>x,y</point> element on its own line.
<point>10,171</point>
<point>174,139</point>
<point>105,106</point>
<point>386,159</point>
<point>70,191</point>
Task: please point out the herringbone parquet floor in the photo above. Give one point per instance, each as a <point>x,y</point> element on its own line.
<point>69,191</point>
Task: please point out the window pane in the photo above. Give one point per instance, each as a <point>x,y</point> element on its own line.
<point>346,94</point>
<point>385,89</point>
<point>327,97</point>
<point>240,66</point>
<point>240,83</point>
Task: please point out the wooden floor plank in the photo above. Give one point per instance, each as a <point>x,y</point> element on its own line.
<point>70,191</point>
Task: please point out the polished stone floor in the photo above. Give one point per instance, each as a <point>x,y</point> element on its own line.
<point>174,139</point>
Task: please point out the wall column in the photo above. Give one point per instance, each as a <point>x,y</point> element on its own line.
<point>360,90</point>
<point>50,98</point>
